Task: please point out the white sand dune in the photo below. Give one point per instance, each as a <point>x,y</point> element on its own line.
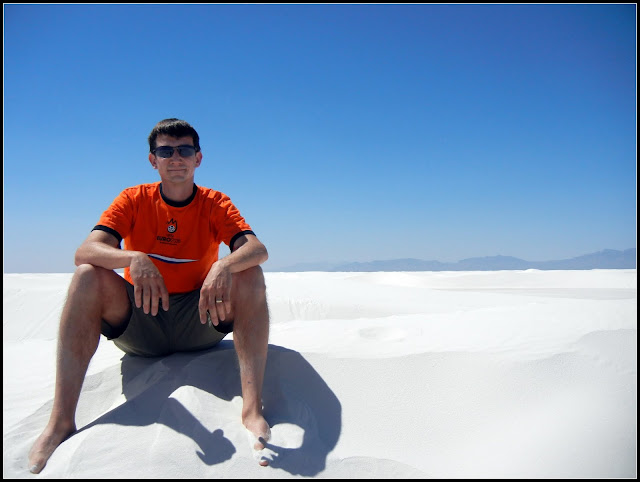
<point>369,375</point>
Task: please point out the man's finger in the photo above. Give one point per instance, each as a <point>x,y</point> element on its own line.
<point>214,309</point>
<point>202,308</point>
<point>165,297</point>
<point>146,295</point>
<point>155,298</point>
<point>213,316</point>
<point>220,309</point>
<point>137,293</point>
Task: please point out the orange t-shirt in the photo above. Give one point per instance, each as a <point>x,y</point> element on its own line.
<point>182,239</point>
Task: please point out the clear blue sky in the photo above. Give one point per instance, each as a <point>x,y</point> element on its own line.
<point>341,132</point>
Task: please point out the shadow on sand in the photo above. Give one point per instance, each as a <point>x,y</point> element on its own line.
<point>293,393</point>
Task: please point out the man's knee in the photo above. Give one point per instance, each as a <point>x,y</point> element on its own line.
<point>250,285</point>
<point>106,283</point>
<point>88,274</point>
<point>87,269</point>
<point>106,288</point>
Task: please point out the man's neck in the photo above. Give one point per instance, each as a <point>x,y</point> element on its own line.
<point>177,192</point>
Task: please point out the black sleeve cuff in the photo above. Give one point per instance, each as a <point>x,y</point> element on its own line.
<point>235,238</point>
<point>107,229</point>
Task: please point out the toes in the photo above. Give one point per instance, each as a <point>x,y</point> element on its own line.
<point>258,444</point>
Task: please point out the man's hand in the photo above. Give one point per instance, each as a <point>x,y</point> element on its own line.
<point>215,294</point>
<point>148,285</point>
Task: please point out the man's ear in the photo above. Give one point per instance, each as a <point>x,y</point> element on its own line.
<point>198,158</point>
<point>152,160</point>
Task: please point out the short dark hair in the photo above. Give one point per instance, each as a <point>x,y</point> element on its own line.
<point>174,128</point>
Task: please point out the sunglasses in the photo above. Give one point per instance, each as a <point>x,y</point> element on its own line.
<point>167,151</point>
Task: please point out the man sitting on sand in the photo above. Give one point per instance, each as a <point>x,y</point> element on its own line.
<point>176,295</point>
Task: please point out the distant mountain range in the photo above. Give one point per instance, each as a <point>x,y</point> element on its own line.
<point>606,259</point>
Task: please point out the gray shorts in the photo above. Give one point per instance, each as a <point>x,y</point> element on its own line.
<point>178,329</point>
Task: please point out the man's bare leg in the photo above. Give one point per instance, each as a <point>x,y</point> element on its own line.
<point>94,294</point>
<point>251,337</point>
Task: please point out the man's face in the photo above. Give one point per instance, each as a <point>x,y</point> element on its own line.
<point>175,169</point>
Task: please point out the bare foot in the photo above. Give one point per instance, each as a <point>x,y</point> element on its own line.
<point>45,445</point>
<point>259,435</point>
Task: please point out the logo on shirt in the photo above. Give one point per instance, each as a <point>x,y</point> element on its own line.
<point>172,227</point>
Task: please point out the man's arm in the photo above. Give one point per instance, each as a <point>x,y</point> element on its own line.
<point>101,249</point>
<point>248,252</point>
